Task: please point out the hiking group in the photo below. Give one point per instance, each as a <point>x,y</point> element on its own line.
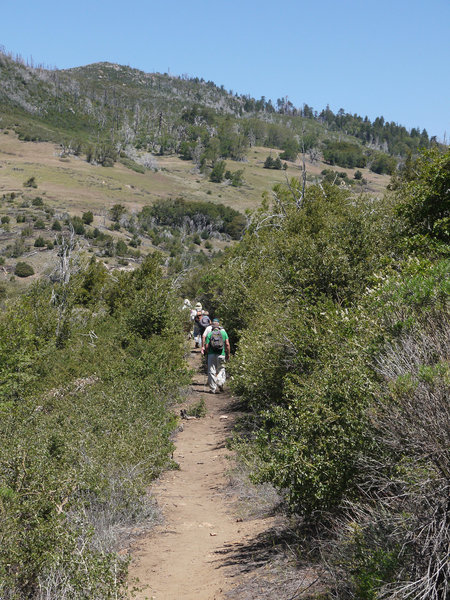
<point>212,339</point>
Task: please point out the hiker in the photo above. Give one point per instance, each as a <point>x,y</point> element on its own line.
<point>198,330</point>
<point>186,309</point>
<point>205,322</point>
<point>217,347</point>
<point>194,314</point>
<point>205,333</point>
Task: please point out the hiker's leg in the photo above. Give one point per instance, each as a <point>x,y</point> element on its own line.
<point>221,375</point>
<point>212,370</point>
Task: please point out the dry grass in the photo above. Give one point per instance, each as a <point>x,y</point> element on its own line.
<point>274,564</point>
<point>74,185</point>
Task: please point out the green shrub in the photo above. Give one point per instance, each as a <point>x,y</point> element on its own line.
<point>23,269</point>
<point>423,196</point>
<point>39,242</point>
<point>383,164</point>
<point>91,422</point>
<point>87,217</point>
<point>121,248</point>
<point>30,182</point>
<point>344,154</point>
<point>78,225</point>
<point>131,164</point>
<point>180,213</point>
<point>218,172</point>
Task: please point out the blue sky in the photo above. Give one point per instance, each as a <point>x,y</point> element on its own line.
<point>390,57</point>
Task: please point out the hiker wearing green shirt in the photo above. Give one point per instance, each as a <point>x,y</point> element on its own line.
<point>217,347</point>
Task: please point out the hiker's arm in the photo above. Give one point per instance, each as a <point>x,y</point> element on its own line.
<point>203,343</point>
<point>227,349</point>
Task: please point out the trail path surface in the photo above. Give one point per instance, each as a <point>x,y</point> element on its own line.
<point>195,553</point>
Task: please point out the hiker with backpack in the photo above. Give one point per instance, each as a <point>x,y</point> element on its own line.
<point>196,315</point>
<point>197,329</point>
<point>217,348</point>
<point>204,322</point>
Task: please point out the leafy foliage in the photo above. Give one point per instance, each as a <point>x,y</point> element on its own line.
<point>341,357</point>
<point>23,269</point>
<point>424,195</point>
<point>84,425</point>
<point>344,154</point>
<point>194,215</point>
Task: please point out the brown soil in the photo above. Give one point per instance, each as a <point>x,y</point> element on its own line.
<point>193,554</point>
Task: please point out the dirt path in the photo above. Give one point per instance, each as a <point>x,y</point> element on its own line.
<point>189,556</point>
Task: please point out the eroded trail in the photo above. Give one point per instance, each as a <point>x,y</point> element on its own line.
<point>190,555</point>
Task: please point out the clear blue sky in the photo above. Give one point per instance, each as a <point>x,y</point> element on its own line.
<point>389,57</point>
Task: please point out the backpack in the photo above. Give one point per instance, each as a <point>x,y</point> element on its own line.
<point>216,341</point>
<point>205,321</point>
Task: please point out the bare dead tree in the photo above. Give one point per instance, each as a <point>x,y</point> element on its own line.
<point>61,277</point>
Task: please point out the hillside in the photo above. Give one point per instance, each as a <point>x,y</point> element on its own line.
<point>69,186</point>
<point>106,102</point>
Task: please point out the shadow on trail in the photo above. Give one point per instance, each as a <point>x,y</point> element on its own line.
<point>258,552</point>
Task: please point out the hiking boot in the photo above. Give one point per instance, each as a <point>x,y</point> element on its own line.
<point>221,388</point>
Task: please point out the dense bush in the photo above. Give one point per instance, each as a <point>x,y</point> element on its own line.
<point>23,269</point>
<point>39,242</point>
<point>84,426</point>
<point>344,154</point>
<point>30,182</point>
<point>78,225</point>
<point>196,216</point>
<point>218,172</point>
<point>341,357</point>
<point>383,164</point>
<point>273,163</point>
<point>424,195</point>
<point>87,217</point>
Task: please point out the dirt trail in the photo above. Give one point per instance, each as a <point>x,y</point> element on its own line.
<point>189,557</point>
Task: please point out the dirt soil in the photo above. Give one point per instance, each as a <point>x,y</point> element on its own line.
<point>197,553</point>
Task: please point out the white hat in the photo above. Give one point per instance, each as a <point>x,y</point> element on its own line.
<point>198,306</point>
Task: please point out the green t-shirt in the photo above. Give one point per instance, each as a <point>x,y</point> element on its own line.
<point>224,337</point>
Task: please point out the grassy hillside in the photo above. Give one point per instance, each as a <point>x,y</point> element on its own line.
<point>69,186</point>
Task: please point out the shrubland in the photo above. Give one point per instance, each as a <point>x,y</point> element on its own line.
<point>337,306</point>
<point>90,366</point>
